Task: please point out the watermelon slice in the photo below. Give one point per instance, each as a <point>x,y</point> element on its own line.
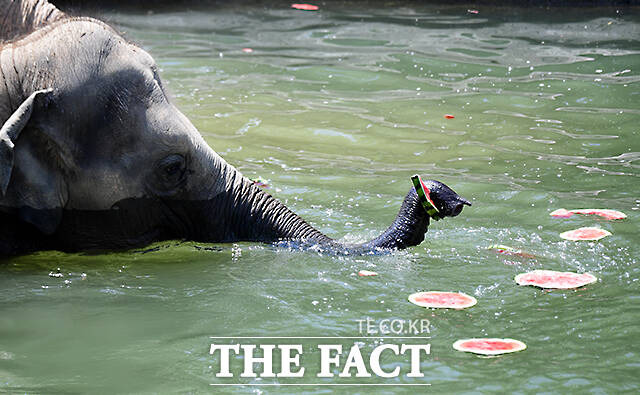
<point>553,279</point>
<point>305,7</point>
<point>489,346</point>
<point>561,213</point>
<point>366,273</point>
<point>506,250</point>
<point>424,195</point>
<point>442,300</point>
<point>587,233</point>
<point>602,212</point>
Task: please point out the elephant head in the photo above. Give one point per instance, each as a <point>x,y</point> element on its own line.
<point>93,155</point>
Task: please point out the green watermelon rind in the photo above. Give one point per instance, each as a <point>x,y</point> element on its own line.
<point>424,198</point>
<point>458,345</point>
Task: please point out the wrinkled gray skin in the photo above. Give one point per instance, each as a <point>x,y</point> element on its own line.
<point>93,155</point>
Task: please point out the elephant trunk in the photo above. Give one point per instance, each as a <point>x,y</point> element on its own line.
<point>254,215</point>
<point>258,216</point>
<point>407,229</point>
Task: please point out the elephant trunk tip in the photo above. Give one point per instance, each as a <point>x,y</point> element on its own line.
<point>459,205</point>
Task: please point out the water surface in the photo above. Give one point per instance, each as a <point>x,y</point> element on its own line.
<point>337,109</point>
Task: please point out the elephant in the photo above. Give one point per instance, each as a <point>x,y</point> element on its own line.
<point>94,155</point>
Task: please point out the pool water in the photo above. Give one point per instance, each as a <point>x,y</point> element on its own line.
<point>336,109</point>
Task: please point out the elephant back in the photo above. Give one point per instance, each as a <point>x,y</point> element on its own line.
<point>20,17</point>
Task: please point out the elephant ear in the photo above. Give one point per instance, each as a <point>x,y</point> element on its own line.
<point>10,132</point>
<point>29,181</point>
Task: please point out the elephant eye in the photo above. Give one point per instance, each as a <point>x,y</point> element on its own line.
<point>172,168</point>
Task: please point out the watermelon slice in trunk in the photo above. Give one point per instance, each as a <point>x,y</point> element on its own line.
<point>586,233</point>
<point>489,346</point>
<point>442,300</point>
<point>553,279</point>
<point>424,196</point>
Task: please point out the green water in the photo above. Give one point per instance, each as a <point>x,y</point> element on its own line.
<point>337,109</point>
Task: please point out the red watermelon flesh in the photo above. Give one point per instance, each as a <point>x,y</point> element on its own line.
<point>587,233</point>
<point>602,212</point>
<point>446,300</point>
<point>305,7</point>
<point>553,279</point>
<point>489,346</point>
<point>427,193</point>
<point>561,213</point>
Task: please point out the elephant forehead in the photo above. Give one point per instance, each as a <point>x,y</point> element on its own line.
<point>135,61</point>
<point>169,126</point>
<point>132,51</point>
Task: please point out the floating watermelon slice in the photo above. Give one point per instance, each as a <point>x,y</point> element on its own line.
<point>489,346</point>
<point>602,212</point>
<point>553,279</point>
<point>587,233</point>
<point>442,300</point>
<point>366,273</point>
<point>561,213</point>
<point>305,7</point>
<point>506,250</point>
